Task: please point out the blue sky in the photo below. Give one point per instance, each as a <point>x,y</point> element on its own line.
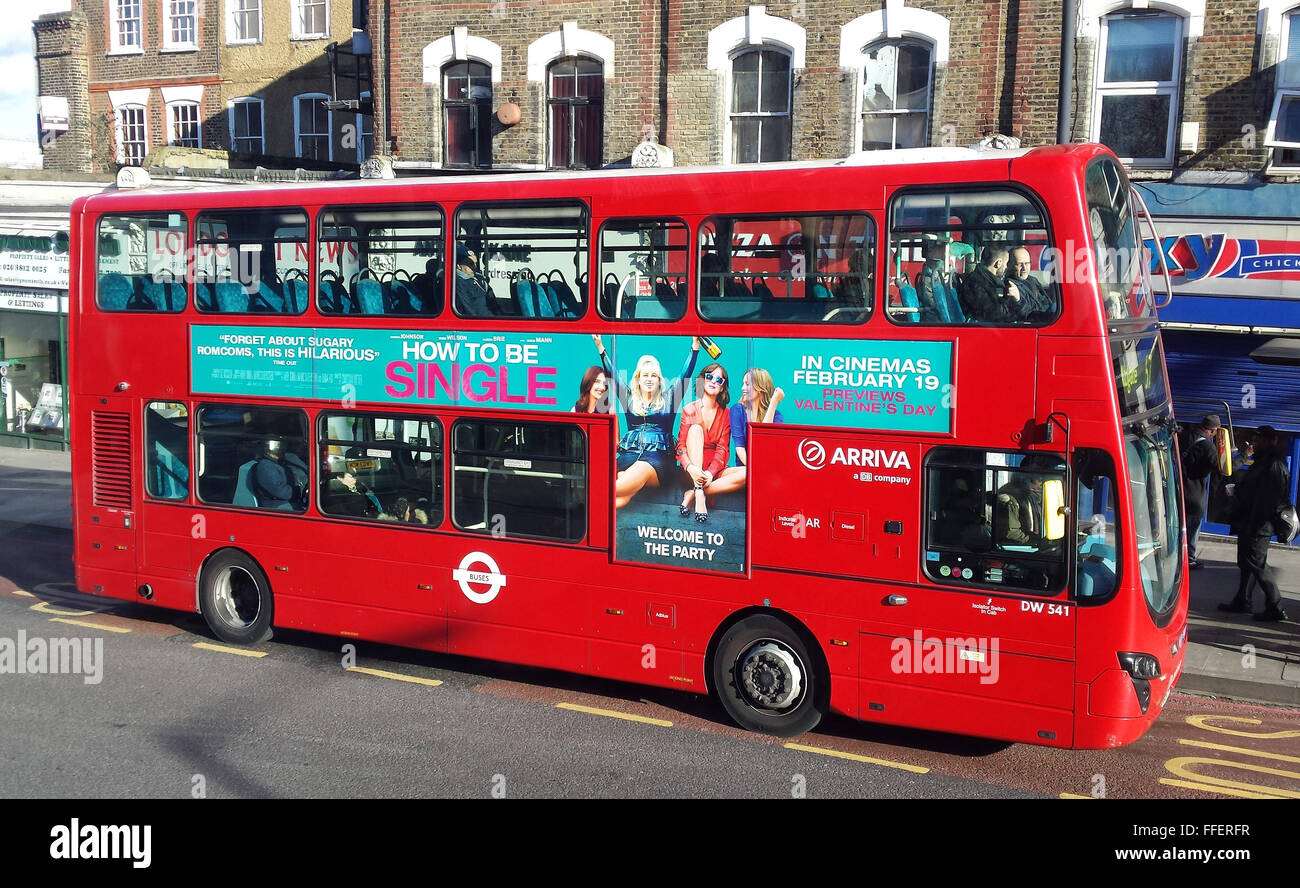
<point>18,69</point>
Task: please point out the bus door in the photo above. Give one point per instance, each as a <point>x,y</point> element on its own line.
<point>106,533</point>
<point>519,563</point>
<point>987,634</point>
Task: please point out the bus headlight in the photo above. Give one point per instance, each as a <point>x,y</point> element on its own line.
<point>1142,666</point>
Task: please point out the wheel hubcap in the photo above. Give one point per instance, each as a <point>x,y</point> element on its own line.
<point>237,599</point>
<point>771,676</point>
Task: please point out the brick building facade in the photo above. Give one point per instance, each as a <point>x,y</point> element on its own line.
<point>245,77</point>
<point>897,73</point>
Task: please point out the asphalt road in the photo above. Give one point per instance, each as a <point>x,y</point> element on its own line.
<point>176,715</point>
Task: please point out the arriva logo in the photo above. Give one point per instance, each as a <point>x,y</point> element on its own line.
<point>813,455</point>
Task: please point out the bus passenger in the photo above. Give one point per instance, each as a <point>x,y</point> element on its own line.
<point>473,297</point>
<point>933,280</point>
<point>592,392</point>
<point>1019,520</point>
<point>704,437</point>
<point>1034,298</point>
<point>758,399</point>
<point>348,496</point>
<point>650,403</point>
<point>273,481</point>
<point>984,293</point>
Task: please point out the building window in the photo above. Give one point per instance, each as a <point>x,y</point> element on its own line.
<point>576,100</point>
<point>132,143</point>
<point>1138,83</point>
<point>760,106</point>
<point>180,24</point>
<point>312,126</point>
<point>126,30</point>
<point>246,126</point>
<point>896,95</point>
<point>183,127</point>
<point>311,19</point>
<point>365,132</point>
<point>245,25</point>
<point>1284,121</point>
<point>467,114</point>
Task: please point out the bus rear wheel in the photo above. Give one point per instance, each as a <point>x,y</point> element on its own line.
<point>765,678</point>
<point>235,598</point>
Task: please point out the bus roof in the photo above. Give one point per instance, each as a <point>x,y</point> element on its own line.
<point>995,159</point>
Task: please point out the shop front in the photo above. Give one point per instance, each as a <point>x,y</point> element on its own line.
<point>1233,253</point>
<point>33,337</point>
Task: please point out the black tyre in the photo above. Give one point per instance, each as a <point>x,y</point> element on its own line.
<point>235,598</point>
<point>766,679</point>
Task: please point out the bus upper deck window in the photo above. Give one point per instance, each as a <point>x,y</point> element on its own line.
<point>380,261</point>
<point>141,262</point>
<point>966,256</point>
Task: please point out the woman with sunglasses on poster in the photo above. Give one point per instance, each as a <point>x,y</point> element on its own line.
<point>703,439</point>
<point>759,396</point>
<point>650,403</point>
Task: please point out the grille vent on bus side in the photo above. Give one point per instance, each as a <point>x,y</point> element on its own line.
<point>110,456</point>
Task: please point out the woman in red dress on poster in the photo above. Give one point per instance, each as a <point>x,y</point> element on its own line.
<point>703,438</point>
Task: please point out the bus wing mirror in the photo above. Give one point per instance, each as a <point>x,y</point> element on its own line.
<point>1053,509</point>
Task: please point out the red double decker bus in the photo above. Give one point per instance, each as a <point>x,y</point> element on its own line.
<point>888,437</point>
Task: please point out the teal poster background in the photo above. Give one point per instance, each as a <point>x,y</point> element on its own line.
<point>519,371</point>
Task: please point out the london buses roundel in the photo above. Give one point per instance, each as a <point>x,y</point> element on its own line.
<point>479,577</point>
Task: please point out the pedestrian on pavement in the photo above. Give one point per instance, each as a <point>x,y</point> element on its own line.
<point>1199,462</point>
<point>1261,493</point>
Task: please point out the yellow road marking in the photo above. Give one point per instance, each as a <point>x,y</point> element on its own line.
<point>45,607</point>
<point>101,626</point>
<point>1255,752</point>
<point>1204,787</point>
<point>1074,795</point>
<point>397,676</point>
<point>1202,721</point>
<point>609,713</point>
<point>915,769</point>
<point>220,648</point>
<point>24,593</point>
<point>1182,768</point>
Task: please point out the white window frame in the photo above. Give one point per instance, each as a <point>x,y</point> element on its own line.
<point>1172,88</point>
<point>859,132</point>
<point>894,23</point>
<point>1284,91</point>
<point>261,115</point>
<point>172,108</point>
<point>169,17</point>
<point>233,11</point>
<point>297,127</point>
<point>297,30</point>
<point>119,113</point>
<point>732,116</point>
<point>753,29</point>
<point>116,46</point>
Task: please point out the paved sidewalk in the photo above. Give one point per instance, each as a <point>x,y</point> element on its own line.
<point>1233,655</point>
<point>1228,655</point>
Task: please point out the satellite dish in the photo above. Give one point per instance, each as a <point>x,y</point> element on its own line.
<point>649,154</point>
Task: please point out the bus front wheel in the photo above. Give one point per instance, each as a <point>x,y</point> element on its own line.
<point>766,679</point>
<point>235,598</point>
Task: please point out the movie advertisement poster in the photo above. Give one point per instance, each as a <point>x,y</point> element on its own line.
<point>682,405</point>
